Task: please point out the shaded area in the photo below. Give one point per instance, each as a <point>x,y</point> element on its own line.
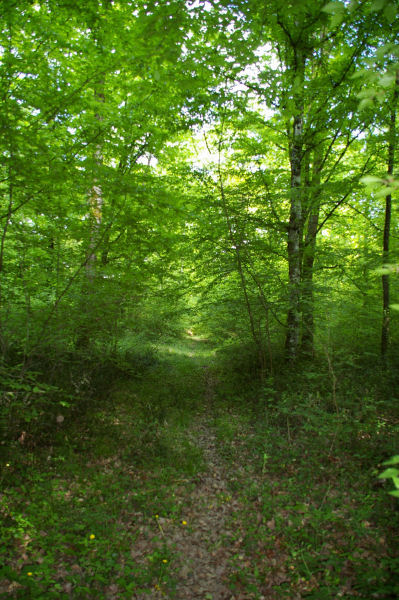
<point>172,487</point>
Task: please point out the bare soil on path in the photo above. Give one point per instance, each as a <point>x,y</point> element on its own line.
<point>205,540</point>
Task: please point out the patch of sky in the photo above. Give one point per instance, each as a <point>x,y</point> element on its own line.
<point>203,4</point>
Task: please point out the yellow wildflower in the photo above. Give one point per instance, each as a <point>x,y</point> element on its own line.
<point>92,536</point>
<point>29,574</point>
<point>184,522</point>
<point>164,561</point>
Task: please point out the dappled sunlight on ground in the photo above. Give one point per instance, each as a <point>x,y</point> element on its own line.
<point>190,347</point>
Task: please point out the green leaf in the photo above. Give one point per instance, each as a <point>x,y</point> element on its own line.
<point>382,193</point>
<point>386,80</point>
<point>394,307</point>
<point>389,473</point>
<point>336,19</point>
<point>390,12</point>
<point>395,459</point>
<point>333,7</point>
<point>377,5</point>
<point>395,493</point>
<point>365,103</point>
<point>301,507</point>
<point>387,270</point>
<point>371,180</point>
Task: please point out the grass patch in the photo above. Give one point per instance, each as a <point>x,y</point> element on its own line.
<point>81,517</point>
<point>88,515</point>
<point>315,520</point>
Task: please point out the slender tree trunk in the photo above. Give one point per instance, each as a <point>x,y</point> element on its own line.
<point>4,232</point>
<point>266,308</point>
<point>3,342</point>
<point>256,338</point>
<point>95,207</point>
<point>244,285</point>
<point>295,222</point>
<point>96,200</point>
<point>10,200</point>
<point>308,258</point>
<point>387,223</point>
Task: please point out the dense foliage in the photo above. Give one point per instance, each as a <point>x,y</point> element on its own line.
<point>217,169</point>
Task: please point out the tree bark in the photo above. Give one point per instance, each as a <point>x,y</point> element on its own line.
<point>386,317</point>
<point>95,213</point>
<point>295,222</point>
<point>308,258</point>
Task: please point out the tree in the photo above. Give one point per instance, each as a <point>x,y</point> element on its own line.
<point>388,215</point>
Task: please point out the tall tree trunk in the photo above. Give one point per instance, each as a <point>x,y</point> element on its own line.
<point>295,222</point>
<point>10,176</point>
<point>2,247</point>
<point>96,201</point>
<point>387,223</point>
<point>95,208</point>
<point>308,258</point>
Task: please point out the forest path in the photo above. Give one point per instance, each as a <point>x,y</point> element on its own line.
<point>205,538</point>
<point>142,498</point>
<point>204,548</point>
<point>201,568</point>
<point>169,487</point>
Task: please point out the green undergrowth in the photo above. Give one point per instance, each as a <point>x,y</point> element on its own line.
<point>83,505</point>
<point>316,522</point>
<point>73,510</point>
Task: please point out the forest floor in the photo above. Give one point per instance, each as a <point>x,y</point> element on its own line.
<point>171,490</point>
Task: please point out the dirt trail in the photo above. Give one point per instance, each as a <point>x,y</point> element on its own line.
<point>204,543</point>
<point>203,560</point>
<point>204,546</point>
